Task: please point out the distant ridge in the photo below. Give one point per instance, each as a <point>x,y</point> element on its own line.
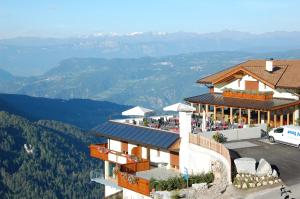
<point>83,113</point>
<point>41,54</point>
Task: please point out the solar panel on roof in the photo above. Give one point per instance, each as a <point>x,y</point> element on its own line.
<point>137,134</point>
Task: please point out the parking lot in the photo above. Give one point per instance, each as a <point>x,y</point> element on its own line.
<point>285,159</point>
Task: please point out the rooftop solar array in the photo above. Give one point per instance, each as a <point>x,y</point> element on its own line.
<point>143,136</point>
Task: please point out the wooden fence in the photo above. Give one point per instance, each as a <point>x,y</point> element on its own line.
<point>212,145</point>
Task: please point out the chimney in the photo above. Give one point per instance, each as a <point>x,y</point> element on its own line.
<point>269,65</point>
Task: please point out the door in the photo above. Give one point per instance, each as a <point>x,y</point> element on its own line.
<point>278,134</point>
<point>174,159</point>
<point>124,147</point>
<point>251,85</point>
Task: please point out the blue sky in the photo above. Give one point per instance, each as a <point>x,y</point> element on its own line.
<point>64,18</point>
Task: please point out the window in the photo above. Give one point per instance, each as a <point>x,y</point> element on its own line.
<point>278,130</point>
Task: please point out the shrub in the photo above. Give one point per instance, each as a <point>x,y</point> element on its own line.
<point>219,137</point>
<point>179,182</point>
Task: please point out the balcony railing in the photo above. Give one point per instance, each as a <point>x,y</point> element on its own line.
<point>129,162</point>
<point>134,183</point>
<point>256,95</point>
<point>133,167</point>
<point>99,151</point>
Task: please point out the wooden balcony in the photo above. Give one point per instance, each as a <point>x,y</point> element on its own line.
<point>99,151</point>
<point>128,162</point>
<point>255,95</point>
<point>134,183</point>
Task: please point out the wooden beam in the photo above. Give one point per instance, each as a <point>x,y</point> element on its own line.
<point>206,108</point>
<point>281,119</point>
<point>199,108</point>
<point>268,117</point>
<point>215,113</point>
<point>231,116</point>
<point>288,118</point>
<point>275,120</point>
<point>258,117</point>
<point>222,112</point>
<point>240,115</point>
<point>249,116</point>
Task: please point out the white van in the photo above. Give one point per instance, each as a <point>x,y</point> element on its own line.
<point>286,134</point>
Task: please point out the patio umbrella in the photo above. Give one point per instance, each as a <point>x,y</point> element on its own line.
<point>203,126</point>
<point>179,107</point>
<point>137,111</point>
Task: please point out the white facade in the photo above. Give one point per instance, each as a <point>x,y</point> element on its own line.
<point>157,156</point>
<point>128,194</point>
<point>240,85</point>
<point>115,145</point>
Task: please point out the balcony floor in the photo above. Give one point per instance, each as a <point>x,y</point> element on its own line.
<point>106,182</point>
<point>158,173</point>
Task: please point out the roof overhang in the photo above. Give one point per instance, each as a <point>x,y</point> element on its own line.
<point>218,100</point>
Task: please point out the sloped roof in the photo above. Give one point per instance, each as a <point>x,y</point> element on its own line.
<point>285,74</point>
<point>143,136</point>
<point>219,100</point>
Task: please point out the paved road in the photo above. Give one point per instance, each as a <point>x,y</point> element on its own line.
<point>275,193</point>
<point>285,159</point>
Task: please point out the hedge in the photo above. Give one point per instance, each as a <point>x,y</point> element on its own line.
<point>179,182</point>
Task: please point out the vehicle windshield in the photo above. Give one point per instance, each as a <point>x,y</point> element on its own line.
<point>278,130</point>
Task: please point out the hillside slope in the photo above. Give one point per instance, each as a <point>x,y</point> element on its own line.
<point>150,82</point>
<point>58,167</point>
<point>83,113</point>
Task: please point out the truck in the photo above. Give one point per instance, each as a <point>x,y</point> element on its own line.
<point>288,134</point>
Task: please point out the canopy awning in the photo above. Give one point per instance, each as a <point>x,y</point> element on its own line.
<point>179,107</point>
<point>137,111</point>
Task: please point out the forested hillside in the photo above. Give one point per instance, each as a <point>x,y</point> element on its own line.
<point>58,166</point>
<point>83,113</point>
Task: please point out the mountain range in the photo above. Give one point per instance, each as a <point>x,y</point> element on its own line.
<point>148,81</point>
<point>35,56</point>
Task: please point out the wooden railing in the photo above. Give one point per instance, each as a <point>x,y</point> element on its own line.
<point>134,183</point>
<point>212,145</point>
<point>248,95</point>
<point>99,151</point>
<point>133,167</point>
<point>102,152</point>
